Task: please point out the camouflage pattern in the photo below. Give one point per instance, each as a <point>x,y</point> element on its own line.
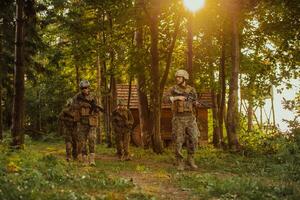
<point>68,130</point>
<point>184,125</point>
<point>86,130</point>
<point>184,128</point>
<point>86,138</point>
<point>122,121</point>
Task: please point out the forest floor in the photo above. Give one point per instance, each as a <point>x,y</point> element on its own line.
<point>41,172</point>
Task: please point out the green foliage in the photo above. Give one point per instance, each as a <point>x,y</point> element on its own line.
<point>207,185</point>
<point>32,175</point>
<point>255,175</point>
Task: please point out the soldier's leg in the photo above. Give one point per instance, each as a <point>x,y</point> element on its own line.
<point>126,142</point>
<point>81,133</point>
<point>85,145</point>
<point>178,130</point>
<point>74,143</point>
<point>92,142</point>
<point>178,135</point>
<point>68,142</point>
<point>192,137</point>
<point>118,138</point>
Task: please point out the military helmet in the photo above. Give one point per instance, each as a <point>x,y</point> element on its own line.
<point>183,73</point>
<point>121,102</point>
<point>84,83</point>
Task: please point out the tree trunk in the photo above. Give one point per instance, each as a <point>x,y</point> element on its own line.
<point>250,114</point>
<point>232,113</point>
<point>98,77</point>
<point>155,86</point>
<point>222,82</point>
<point>1,82</point>
<point>190,49</point>
<point>17,129</point>
<point>169,55</point>
<point>107,101</point>
<point>215,111</point>
<point>250,111</point>
<point>144,113</point>
<point>39,121</point>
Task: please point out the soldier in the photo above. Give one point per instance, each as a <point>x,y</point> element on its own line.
<point>88,110</point>
<point>122,121</point>
<point>184,126</point>
<point>67,126</point>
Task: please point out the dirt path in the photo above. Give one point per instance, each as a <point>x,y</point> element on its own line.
<point>153,179</point>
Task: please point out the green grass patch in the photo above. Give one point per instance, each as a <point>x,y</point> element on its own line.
<point>209,186</point>
<point>32,174</point>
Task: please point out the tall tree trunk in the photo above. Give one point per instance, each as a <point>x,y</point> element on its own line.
<point>106,101</point>
<point>155,87</point>
<point>144,112</point>
<point>232,113</point>
<point>17,129</point>
<point>222,82</point>
<point>250,111</point>
<point>1,82</point>
<point>98,77</point>
<point>215,111</point>
<point>169,55</point>
<point>190,49</point>
<point>39,121</point>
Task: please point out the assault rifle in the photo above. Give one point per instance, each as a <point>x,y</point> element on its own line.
<point>191,98</point>
<point>94,106</point>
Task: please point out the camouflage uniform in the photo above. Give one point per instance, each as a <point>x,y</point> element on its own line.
<point>122,121</point>
<point>184,125</point>
<point>86,126</point>
<point>68,129</point>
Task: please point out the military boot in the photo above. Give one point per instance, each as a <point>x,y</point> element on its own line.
<point>180,164</point>
<point>85,160</point>
<point>68,158</point>
<point>191,162</point>
<point>92,159</point>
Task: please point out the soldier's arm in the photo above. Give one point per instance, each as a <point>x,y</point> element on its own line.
<point>171,96</point>
<point>168,98</point>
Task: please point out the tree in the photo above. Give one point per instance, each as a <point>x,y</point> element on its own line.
<point>18,100</point>
<point>232,119</point>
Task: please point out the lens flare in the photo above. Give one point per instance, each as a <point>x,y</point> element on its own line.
<point>193,5</point>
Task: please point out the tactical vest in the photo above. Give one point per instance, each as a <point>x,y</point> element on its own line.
<point>86,116</point>
<point>182,106</point>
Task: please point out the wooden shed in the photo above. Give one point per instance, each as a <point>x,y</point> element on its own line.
<point>166,115</point>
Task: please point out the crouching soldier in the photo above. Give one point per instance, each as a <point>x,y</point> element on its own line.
<point>67,126</point>
<point>85,104</point>
<point>122,122</point>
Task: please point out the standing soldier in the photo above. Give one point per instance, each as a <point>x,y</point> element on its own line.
<point>122,122</point>
<point>184,126</point>
<point>85,104</point>
<point>67,126</point>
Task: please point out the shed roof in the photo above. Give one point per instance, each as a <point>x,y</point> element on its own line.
<point>123,92</point>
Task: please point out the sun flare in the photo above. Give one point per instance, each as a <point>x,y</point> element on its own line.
<point>193,5</point>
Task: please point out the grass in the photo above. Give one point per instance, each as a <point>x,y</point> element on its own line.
<point>40,172</point>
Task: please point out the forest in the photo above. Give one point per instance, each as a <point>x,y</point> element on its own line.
<point>237,53</point>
